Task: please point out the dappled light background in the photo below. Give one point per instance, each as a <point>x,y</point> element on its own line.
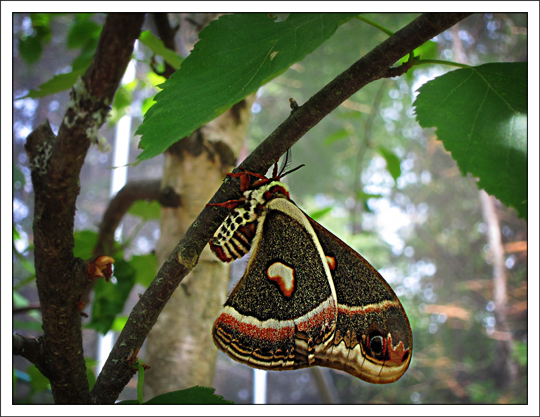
<point>373,177</point>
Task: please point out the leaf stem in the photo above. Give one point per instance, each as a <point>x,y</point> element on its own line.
<point>440,62</point>
<point>381,28</point>
<point>375,25</point>
<point>140,382</point>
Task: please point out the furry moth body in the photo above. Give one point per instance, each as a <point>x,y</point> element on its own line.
<point>306,298</point>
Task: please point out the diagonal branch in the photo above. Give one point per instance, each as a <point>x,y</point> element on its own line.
<point>55,163</point>
<point>117,208</point>
<point>117,371</point>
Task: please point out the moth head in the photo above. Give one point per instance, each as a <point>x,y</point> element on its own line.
<point>276,189</point>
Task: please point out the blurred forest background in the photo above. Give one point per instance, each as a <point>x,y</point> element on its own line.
<point>372,176</point>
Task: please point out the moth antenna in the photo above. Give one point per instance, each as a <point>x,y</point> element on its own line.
<point>292,170</point>
<point>286,163</point>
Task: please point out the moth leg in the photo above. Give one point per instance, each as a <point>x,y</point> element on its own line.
<point>231,204</point>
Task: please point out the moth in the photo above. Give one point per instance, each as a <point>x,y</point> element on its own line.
<point>306,298</point>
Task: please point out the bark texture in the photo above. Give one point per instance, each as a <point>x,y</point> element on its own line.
<point>180,345</point>
<point>55,163</point>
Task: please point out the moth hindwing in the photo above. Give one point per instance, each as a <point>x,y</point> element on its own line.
<point>306,298</point>
<point>373,338</point>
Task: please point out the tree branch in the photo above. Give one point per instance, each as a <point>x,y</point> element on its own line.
<point>55,163</point>
<point>117,371</point>
<point>31,349</point>
<point>21,310</point>
<point>117,208</point>
<point>166,34</point>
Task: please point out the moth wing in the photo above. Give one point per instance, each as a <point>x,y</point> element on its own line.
<point>283,311</point>
<point>373,339</point>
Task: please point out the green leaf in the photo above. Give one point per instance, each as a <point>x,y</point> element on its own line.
<point>109,298</point>
<point>30,49</point>
<point>119,323</point>
<point>145,267</point>
<point>20,300</point>
<point>193,395</point>
<point>27,325</point>
<point>18,176</point>
<point>236,54</point>
<point>140,382</point>
<point>121,103</point>
<point>427,50</point>
<point>158,48</point>
<point>360,195</point>
<point>38,381</point>
<point>30,279</point>
<point>85,57</point>
<point>85,241</point>
<point>91,376</point>
<point>56,84</point>
<point>393,163</point>
<point>334,137</point>
<point>146,210</point>
<point>320,213</point>
<point>481,117</point>
<point>520,353</point>
<point>82,32</point>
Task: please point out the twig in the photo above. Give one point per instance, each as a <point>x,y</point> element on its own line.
<point>22,310</point>
<point>117,208</point>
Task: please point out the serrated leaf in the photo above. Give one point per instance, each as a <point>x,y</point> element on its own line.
<point>158,48</point>
<point>393,163</point>
<point>56,84</point>
<point>193,395</point>
<point>146,210</point>
<point>236,54</point>
<point>481,117</point>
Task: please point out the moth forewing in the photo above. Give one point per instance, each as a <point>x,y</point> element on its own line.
<point>284,309</point>
<point>306,298</point>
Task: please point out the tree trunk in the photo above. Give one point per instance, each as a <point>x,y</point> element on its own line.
<point>506,374</point>
<point>180,346</point>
